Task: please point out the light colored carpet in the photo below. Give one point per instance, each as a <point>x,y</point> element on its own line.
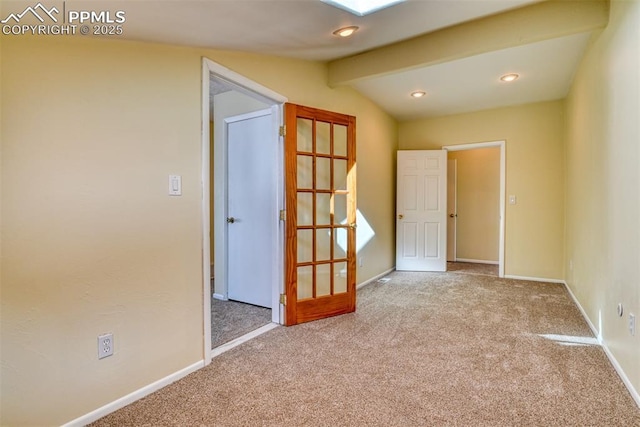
<point>425,349</point>
<point>231,319</point>
<point>472,268</point>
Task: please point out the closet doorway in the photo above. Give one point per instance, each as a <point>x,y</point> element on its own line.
<point>238,111</point>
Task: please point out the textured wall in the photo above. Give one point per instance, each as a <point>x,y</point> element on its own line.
<point>478,203</point>
<point>91,241</point>
<point>603,184</point>
<point>534,151</point>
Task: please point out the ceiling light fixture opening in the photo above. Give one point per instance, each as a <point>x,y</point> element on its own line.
<point>418,94</point>
<point>509,77</point>
<point>346,31</point>
<point>362,7</point>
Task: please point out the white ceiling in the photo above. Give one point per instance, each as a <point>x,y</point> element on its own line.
<point>294,28</point>
<point>303,29</point>
<point>470,84</point>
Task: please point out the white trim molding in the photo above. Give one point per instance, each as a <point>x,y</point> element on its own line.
<point>476,261</point>
<point>213,70</point>
<point>374,278</point>
<point>503,174</point>
<point>206,214</point>
<point>242,339</point>
<point>134,396</point>
<point>623,376</point>
<point>534,279</point>
<point>243,84</point>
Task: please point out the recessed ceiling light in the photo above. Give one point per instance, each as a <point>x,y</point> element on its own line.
<point>418,94</point>
<point>362,7</point>
<point>509,77</point>
<point>346,31</point>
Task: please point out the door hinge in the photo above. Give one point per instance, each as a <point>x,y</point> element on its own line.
<point>283,130</point>
<point>283,299</point>
<point>283,215</point>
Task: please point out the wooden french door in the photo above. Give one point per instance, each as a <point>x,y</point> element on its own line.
<point>320,167</point>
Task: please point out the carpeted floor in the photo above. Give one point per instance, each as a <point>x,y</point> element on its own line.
<point>424,349</point>
<point>472,268</point>
<point>231,319</point>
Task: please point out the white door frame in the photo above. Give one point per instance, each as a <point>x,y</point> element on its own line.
<point>242,84</point>
<point>452,239</point>
<point>503,166</point>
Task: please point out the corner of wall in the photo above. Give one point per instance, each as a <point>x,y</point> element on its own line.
<point>602,183</point>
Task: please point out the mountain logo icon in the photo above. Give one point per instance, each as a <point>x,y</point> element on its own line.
<point>38,11</point>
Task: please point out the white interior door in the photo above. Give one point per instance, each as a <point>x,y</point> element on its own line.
<point>421,209</point>
<point>252,207</point>
<point>452,208</point>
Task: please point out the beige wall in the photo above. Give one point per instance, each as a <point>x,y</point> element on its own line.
<point>535,152</point>
<point>91,241</point>
<point>603,184</point>
<point>478,203</point>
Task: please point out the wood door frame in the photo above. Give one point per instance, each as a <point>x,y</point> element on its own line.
<point>211,69</point>
<point>503,165</point>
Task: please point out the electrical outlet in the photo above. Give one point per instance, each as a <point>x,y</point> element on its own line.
<point>105,345</point>
<point>360,261</point>
<point>632,324</point>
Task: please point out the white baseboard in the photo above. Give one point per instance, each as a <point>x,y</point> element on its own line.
<point>240,340</point>
<point>476,261</point>
<point>595,331</point>
<point>219,297</point>
<point>623,376</point>
<point>373,279</point>
<point>146,390</point>
<point>534,279</point>
<point>132,397</point>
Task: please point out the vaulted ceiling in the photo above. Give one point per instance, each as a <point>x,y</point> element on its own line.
<point>454,50</point>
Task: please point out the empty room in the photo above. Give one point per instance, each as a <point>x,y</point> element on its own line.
<point>432,206</point>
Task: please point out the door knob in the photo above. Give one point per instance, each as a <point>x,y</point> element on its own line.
<point>231,220</point>
<point>453,215</point>
<point>400,216</point>
<point>353,226</point>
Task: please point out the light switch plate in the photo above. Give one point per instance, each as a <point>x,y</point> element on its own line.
<point>175,185</point>
<point>513,200</point>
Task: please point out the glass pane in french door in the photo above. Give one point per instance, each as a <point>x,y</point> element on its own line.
<point>322,192</point>
<point>320,215</point>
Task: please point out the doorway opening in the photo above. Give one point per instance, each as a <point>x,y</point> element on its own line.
<point>240,129</point>
<point>473,233</point>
